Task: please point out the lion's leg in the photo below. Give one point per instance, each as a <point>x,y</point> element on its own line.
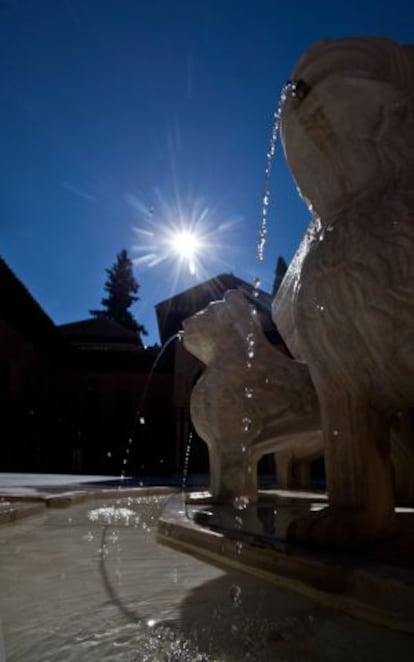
<point>303,474</point>
<point>284,465</point>
<point>232,475</point>
<point>359,476</point>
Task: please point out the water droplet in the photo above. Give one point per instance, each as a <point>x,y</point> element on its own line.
<point>243,448</point>
<point>248,392</point>
<point>109,454</point>
<point>235,595</point>
<point>250,353</point>
<point>335,433</point>
<point>246,423</point>
<point>103,551</point>
<point>114,537</point>
<point>250,339</point>
<point>88,536</point>
<point>238,522</point>
<point>130,441</point>
<point>151,622</point>
<point>239,547</point>
<point>142,420</point>
<point>241,502</point>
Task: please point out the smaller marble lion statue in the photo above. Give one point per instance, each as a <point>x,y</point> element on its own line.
<point>250,400</point>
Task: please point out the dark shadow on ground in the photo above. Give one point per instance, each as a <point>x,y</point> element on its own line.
<point>238,617</point>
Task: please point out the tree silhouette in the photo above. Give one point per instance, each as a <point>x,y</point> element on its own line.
<point>122,289</point>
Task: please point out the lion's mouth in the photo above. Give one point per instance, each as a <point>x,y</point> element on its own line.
<point>298,89</point>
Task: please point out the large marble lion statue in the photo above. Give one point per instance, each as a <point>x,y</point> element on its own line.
<point>251,398</point>
<point>348,133</point>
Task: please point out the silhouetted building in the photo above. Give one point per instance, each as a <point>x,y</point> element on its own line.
<point>71,397</point>
<point>32,354</point>
<point>114,399</point>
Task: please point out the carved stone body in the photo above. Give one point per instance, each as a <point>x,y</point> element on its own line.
<point>350,145</point>
<point>251,399</point>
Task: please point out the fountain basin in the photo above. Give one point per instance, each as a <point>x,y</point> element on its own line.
<point>90,582</point>
<point>358,583</point>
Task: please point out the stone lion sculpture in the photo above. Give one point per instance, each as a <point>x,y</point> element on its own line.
<point>348,136</point>
<point>251,398</point>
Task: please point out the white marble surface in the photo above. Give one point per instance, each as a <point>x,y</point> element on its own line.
<point>23,480</point>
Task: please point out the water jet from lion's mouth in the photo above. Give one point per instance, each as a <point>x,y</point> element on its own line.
<point>298,89</point>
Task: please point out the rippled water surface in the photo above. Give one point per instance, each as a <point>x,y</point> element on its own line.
<point>91,583</point>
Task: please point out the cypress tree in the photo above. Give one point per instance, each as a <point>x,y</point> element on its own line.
<point>122,288</point>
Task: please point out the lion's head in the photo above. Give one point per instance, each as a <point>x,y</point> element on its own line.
<point>352,126</point>
<point>221,326</point>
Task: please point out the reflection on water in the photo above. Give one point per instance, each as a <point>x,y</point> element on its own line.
<point>91,583</point>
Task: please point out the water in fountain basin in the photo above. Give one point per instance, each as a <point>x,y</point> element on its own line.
<point>68,593</point>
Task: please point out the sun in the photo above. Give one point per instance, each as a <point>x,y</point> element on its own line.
<point>185,233</point>
<point>187,245</point>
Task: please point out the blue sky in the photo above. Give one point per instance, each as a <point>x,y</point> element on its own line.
<point>118,115</point>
